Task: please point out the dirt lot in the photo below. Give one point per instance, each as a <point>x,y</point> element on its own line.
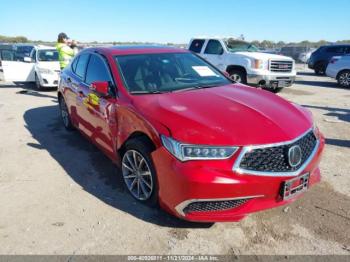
<point>60,195</point>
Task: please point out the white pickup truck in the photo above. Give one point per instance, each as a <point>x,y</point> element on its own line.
<point>245,64</point>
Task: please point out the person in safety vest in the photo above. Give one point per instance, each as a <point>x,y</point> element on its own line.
<point>66,48</point>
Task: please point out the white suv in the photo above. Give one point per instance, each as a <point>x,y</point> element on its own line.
<point>339,68</point>
<point>244,63</point>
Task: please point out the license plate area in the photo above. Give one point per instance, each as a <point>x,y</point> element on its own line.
<point>295,186</point>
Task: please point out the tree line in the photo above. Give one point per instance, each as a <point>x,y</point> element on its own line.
<point>267,44</point>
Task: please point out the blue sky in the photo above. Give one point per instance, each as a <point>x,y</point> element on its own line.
<point>176,20</point>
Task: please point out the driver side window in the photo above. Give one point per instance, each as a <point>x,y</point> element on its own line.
<point>33,56</point>
<point>97,71</point>
<point>214,47</point>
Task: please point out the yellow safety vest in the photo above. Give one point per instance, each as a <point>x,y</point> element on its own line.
<point>65,54</point>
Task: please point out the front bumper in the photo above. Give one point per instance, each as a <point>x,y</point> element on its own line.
<point>48,80</point>
<point>271,81</point>
<point>183,183</point>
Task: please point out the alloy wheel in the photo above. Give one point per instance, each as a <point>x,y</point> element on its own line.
<point>137,175</point>
<point>344,79</point>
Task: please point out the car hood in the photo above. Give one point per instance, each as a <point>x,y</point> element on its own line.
<point>264,56</point>
<point>53,65</point>
<point>226,115</point>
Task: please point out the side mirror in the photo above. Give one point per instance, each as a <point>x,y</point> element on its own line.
<point>100,87</point>
<point>27,59</point>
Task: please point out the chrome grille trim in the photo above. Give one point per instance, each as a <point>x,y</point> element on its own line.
<point>236,167</point>
<point>281,66</point>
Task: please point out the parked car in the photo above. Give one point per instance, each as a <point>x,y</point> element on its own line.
<point>320,58</point>
<point>41,67</point>
<point>305,56</point>
<point>339,69</point>
<point>186,136</point>
<point>245,64</point>
<point>294,51</point>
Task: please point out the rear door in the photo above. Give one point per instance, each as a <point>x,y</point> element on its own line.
<point>97,112</point>
<point>72,78</point>
<point>214,53</point>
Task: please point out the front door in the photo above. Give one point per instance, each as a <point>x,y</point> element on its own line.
<point>96,111</point>
<point>213,53</point>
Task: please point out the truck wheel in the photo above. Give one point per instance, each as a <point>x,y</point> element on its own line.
<point>238,76</point>
<point>344,79</point>
<point>320,68</point>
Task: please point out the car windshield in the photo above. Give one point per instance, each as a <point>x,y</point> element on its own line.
<point>167,72</point>
<point>47,55</point>
<point>240,46</point>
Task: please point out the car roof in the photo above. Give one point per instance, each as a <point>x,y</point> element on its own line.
<point>136,49</point>
<point>40,47</point>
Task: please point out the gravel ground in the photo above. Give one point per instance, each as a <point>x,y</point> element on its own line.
<point>60,195</point>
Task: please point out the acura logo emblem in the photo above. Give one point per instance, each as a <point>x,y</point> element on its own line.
<point>294,156</point>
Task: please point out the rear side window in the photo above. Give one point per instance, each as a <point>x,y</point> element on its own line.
<point>97,70</point>
<point>81,65</point>
<point>74,64</point>
<point>336,49</point>
<point>196,45</point>
<point>214,47</point>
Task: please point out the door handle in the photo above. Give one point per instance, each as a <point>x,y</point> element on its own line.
<point>69,80</point>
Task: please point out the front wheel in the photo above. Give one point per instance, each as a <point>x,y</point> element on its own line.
<point>344,79</point>
<point>139,173</point>
<point>320,69</point>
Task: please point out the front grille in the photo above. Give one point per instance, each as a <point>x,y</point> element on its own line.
<point>281,66</point>
<point>275,158</point>
<point>205,206</point>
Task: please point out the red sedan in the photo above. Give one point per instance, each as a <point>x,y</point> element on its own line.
<point>185,136</point>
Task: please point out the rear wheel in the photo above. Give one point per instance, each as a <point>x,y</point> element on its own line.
<point>344,79</point>
<point>139,173</point>
<point>65,114</point>
<point>320,68</point>
<point>238,76</point>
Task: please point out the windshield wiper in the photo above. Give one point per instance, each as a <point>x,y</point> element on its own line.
<point>144,92</point>
<point>198,86</point>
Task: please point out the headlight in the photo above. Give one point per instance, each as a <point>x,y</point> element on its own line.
<point>185,152</point>
<point>258,64</point>
<point>45,71</point>
<point>316,130</point>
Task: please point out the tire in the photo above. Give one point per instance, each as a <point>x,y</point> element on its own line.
<point>138,172</point>
<point>37,83</point>
<point>238,76</point>
<point>344,79</point>
<point>65,114</point>
<point>320,68</point>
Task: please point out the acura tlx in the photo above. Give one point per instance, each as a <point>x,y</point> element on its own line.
<point>187,138</point>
